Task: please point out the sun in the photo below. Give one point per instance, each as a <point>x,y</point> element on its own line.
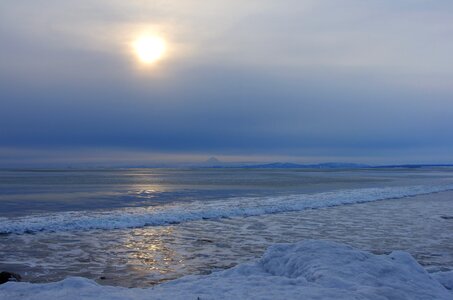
<point>149,49</point>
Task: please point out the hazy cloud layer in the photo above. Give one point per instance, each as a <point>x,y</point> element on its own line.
<point>306,80</point>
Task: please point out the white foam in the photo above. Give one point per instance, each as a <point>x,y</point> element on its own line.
<point>306,270</point>
<point>198,210</point>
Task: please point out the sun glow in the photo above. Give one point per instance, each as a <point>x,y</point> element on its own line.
<point>149,49</point>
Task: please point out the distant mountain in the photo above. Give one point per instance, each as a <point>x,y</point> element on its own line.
<point>210,163</point>
<point>339,165</point>
<point>276,165</point>
<point>413,166</point>
<point>286,165</point>
<point>212,160</point>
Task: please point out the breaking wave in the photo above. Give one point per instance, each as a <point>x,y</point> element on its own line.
<point>199,210</point>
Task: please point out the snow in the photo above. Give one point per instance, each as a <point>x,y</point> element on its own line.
<point>445,278</point>
<point>199,210</point>
<point>310,269</point>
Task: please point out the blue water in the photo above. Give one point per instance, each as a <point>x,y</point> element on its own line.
<point>138,227</point>
<point>25,192</point>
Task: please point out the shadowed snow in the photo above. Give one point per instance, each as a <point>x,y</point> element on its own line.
<point>309,269</point>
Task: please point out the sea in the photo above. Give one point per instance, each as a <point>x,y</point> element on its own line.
<point>141,227</point>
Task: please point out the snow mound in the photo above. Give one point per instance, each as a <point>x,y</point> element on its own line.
<point>445,278</point>
<point>305,270</point>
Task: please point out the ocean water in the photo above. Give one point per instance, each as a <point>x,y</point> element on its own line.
<point>139,227</point>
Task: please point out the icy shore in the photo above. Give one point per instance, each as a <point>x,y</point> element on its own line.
<point>309,269</point>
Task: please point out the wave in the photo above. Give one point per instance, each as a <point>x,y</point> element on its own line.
<point>200,210</point>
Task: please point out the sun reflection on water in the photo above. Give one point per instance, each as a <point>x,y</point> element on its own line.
<point>149,254</point>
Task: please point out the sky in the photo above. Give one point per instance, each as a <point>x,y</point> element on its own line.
<point>367,81</point>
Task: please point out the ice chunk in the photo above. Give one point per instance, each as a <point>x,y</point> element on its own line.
<point>305,270</point>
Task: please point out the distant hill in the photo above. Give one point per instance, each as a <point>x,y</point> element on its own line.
<point>213,162</point>
<point>276,165</point>
<point>413,166</point>
<point>286,165</point>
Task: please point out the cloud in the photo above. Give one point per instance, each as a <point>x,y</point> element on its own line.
<point>291,78</point>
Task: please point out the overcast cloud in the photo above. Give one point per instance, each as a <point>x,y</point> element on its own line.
<point>364,81</point>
